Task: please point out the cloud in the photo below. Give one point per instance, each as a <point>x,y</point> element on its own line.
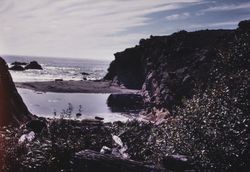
<point>177,16</point>
<point>228,7</point>
<point>78,28</point>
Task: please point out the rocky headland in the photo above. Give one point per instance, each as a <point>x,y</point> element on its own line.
<point>169,70</point>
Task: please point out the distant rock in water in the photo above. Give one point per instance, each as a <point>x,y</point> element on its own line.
<point>12,108</point>
<point>17,68</point>
<point>34,65</point>
<point>85,73</point>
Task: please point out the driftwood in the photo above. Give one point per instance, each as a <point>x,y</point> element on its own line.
<point>89,160</point>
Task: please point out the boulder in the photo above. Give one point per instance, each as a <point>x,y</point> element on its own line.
<point>125,100</point>
<point>33,65</point>
<point>17,68</point>
<point>12,108</point>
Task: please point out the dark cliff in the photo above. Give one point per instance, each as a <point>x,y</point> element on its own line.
<point>12,108</point>
<point>169,69</point>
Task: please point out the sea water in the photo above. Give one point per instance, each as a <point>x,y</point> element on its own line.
<point>58,68</point>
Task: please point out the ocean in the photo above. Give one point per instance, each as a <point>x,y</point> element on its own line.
<point>58,68</point>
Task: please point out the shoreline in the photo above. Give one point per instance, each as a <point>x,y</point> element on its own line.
<point>74,87</point>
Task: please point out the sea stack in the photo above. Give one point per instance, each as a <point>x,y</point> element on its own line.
<point>12,108</point>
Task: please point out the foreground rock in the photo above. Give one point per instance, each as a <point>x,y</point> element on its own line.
<point>12,108</point>
<point>34,65</point>
<point>125,100</point>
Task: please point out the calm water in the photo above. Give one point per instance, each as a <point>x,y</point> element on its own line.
<point>89,104</point>
<point>58,68</point>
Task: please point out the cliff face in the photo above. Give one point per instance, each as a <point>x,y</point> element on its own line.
<point>169,69</point>
<point>12,108</point>
<point>128,68</point>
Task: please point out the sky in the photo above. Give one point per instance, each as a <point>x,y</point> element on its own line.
<point>96,29</point>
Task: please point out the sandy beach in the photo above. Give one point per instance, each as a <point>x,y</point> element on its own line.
<point>74,87</point>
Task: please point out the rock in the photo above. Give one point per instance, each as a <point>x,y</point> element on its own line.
<point>78,114</point>
<point>99,118</point>
<point>12,108</point>
<point>17,68</point>
<point>58,80</point>
<point>26,137</point>
<point>33,65</point>
<point>125,100</point>
<point>19,63</point>
<point>105,150</point>
<point>84,73</point>
<point>127,69</point>
<point>120,148</point>
<point>117,140</point>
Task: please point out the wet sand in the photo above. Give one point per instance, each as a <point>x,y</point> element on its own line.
<point>74,87</point>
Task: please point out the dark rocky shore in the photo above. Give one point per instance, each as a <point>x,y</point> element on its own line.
<point>195,93</point>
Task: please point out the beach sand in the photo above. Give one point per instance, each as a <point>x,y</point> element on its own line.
<point>74,87</point>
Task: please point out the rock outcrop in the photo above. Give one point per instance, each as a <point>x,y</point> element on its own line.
<point>128,68</point>
<point>125,100</point>
<point>33,65</point>
<point>12,108</point>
